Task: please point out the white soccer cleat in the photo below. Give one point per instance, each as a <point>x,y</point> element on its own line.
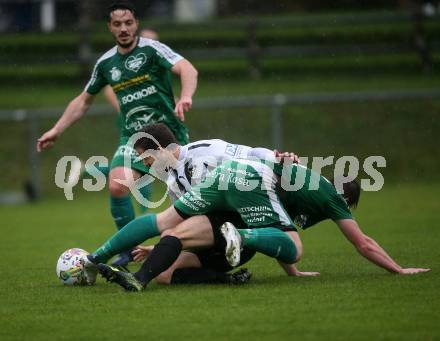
<point>233,243</point>
<point>90,270</point>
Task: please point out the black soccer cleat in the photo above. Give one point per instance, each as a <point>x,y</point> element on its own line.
<point>123,278</point>
<point>240,277</point>
<point>123,259</point>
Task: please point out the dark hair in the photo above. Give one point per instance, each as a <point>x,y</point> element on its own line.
<point>160,132</point>
<point>351,192</point>
<point>121,5</point>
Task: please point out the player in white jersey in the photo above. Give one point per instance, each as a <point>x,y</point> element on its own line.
<point>186,166</point>
<point>195,159</point>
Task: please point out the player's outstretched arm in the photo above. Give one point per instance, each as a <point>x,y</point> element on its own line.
<point>74,111</point>
<point>371,250</point>
<point>292,270</point>
<point>188,80</point>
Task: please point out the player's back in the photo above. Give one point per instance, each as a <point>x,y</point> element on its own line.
<point>198,157</point>
<point>309,197</point>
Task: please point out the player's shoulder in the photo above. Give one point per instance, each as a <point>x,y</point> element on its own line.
<point>151,46</point>
<point>327,187</point>
<point>334,198</point>
<point>146,42</point>
<point>203,148</point>
<point>204,144</point>
<point>107,55</point>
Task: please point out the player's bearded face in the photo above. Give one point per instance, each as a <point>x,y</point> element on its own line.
<point>123,26</point>
<point>159,161</point>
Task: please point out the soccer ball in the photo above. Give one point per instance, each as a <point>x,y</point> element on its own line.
<point>69,268</point>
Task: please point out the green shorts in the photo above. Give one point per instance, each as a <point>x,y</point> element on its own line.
<point>246,187</point>
<point>125,157</point>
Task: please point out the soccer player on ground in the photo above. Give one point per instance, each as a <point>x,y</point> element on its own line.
<point>267,197</point>
<point>138,69</point>
<point>186,166</point>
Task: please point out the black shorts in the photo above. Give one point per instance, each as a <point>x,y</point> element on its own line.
<point>214,258</point>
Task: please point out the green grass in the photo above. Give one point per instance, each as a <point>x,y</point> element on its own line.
<point>351,300</point>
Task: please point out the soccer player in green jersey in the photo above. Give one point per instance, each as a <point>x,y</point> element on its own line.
<point>139,71</point>
<point>113,101</point>
<point>269,198</point>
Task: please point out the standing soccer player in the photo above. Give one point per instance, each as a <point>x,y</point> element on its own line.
<point>138,70</point>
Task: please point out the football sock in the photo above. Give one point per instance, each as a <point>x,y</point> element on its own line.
<point>146,193</point>
<point>270,241</point>
<point>122,210</point>
<point>161,258</point>
<point>199,276</point>
<point>133,234</point>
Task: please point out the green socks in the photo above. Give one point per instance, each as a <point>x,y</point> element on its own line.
<point>133,234</point>
<point>122,210</point>
<point>270,241</point>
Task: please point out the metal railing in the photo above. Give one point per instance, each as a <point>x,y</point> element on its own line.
<point>274,103</point>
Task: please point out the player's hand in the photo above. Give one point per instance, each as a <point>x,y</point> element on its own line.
<point>141,252</point>
<point>412,271</point>
<point>183,105</point>
<point>305,273</point>
<point>283,156</point>
<point>47,140</point>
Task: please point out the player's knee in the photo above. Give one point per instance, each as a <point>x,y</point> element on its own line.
<point>117,189</point>
<point>298,247</point>
<point>172,233</point>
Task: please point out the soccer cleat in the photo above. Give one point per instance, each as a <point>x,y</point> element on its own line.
<point>239,277</point>
<point>90,270</point>
<point>233,243</point>
<point>125,279</point>
<point>123,259</point>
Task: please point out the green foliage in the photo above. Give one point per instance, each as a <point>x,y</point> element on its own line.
<point>351,43</point>
<point>351,300</point>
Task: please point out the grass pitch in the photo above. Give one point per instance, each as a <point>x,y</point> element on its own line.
<point>351,300</point>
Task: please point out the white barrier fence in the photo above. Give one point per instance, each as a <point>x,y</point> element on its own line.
<point>274,105</point>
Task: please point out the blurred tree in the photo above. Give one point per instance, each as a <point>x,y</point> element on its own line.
<point>231,7</point>
<point>420,40</point>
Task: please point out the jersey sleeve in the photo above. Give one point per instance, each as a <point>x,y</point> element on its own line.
<point>338,208</point>
<point>165,56</point>
<point>96,82</point>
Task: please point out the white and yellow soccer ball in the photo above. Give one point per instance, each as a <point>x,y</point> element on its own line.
<point>69,267</point>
